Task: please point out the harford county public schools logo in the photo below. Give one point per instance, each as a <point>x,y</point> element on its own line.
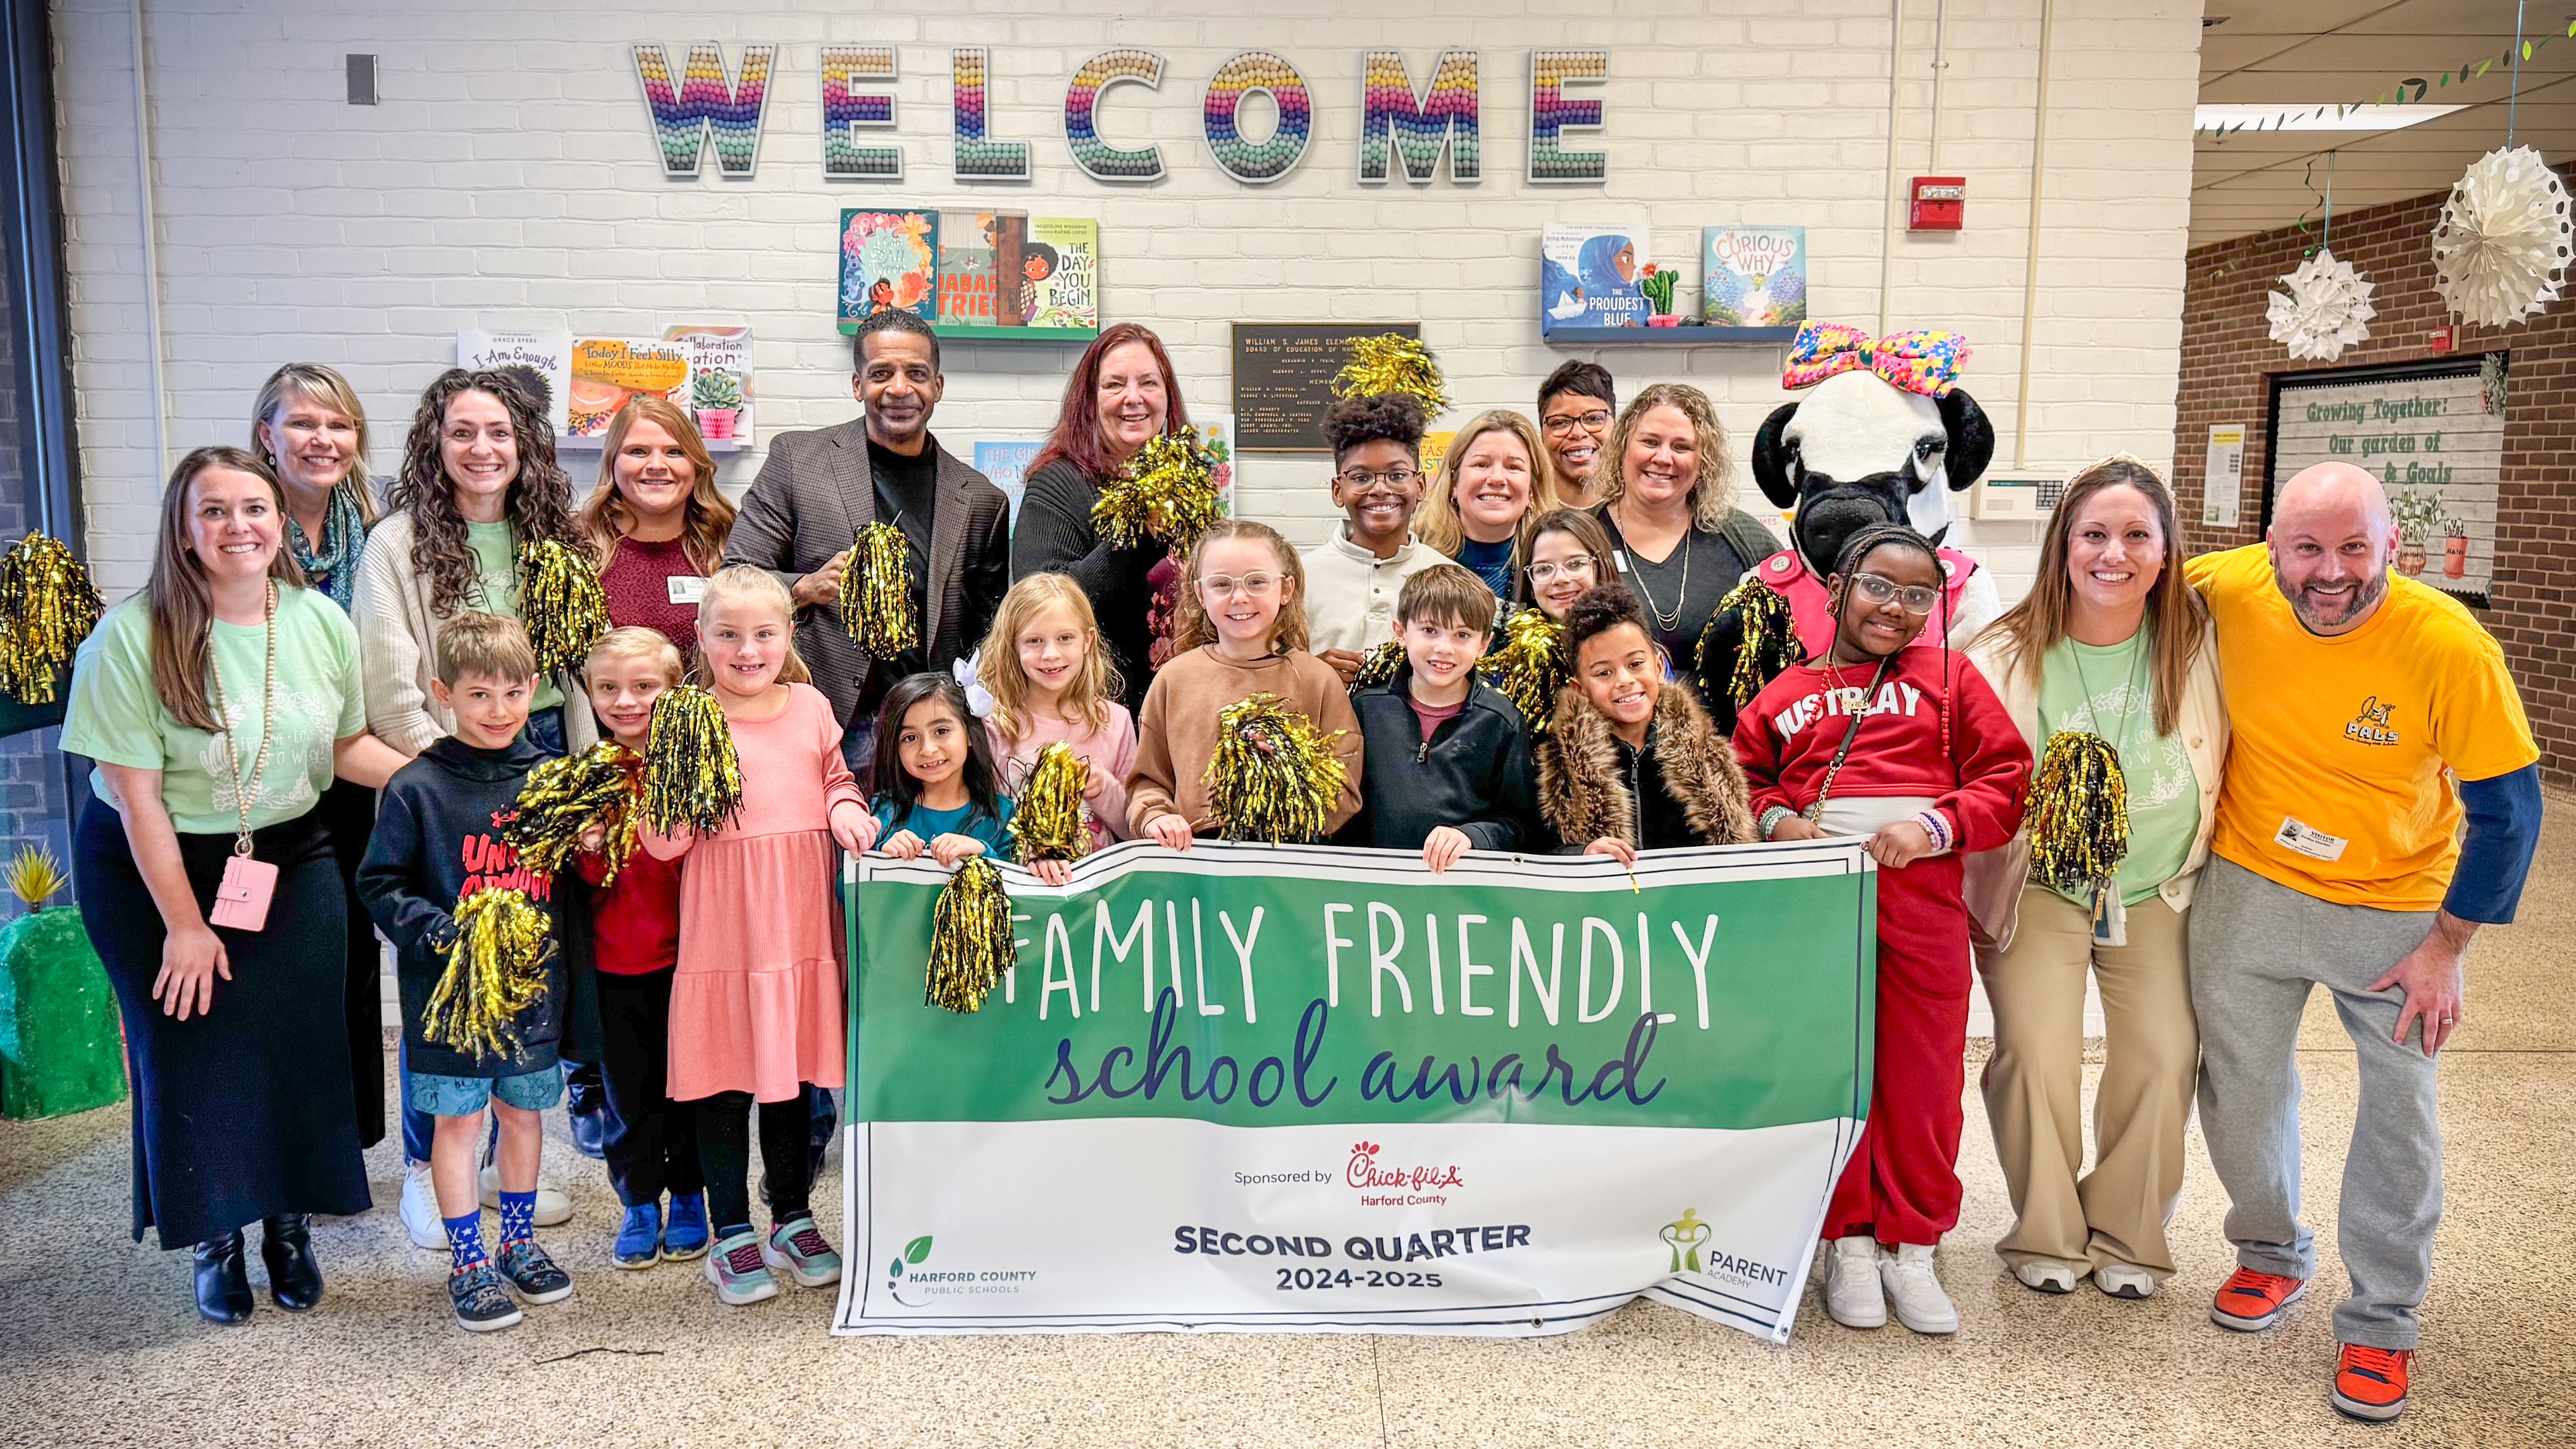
<point>2370,727</point>
<point>904,1274</point>
<point>914,1253</point>
<point>1685,1237</point>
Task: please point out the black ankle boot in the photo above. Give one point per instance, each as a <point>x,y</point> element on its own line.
<point>223,1284</point>
<point>286,1246</point>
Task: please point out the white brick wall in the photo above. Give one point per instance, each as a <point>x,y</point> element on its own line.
<point>508,180</point>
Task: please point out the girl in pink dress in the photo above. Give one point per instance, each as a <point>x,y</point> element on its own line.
<point>1052,683</point>
<point>756,1005</point>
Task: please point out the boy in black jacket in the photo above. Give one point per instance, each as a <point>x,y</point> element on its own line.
<point>437,842</point>
<point>1447,762</point>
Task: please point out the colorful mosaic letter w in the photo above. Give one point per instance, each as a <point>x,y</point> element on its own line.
<point>699,100</point>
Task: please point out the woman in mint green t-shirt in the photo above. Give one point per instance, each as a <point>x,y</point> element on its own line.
<point>218,706</point>
<point>2112,643</point>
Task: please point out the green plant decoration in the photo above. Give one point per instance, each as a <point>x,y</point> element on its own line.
<point>716,388</point>
<point>61,1050</point>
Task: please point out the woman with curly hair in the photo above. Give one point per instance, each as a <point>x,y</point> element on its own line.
<point>479,481</point>
<point>1667,496</point>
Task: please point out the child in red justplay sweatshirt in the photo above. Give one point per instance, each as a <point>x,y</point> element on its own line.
<point>1910,748</point>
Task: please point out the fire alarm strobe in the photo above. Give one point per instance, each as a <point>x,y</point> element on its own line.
<point>1938,203</point>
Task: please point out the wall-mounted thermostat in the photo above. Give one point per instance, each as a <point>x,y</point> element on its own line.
<point>2007,498</point>
<point>1939,203</point>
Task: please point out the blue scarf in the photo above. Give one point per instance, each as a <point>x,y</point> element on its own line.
<point>334,567</point>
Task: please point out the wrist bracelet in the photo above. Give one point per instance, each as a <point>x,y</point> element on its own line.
<point>1771,819</point>
<point>1936,827</point>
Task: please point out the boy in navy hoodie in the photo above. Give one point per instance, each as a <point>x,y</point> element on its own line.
<point>1446,758</point>
<point>437,841</point>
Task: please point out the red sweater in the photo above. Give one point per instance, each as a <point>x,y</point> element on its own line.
<point>1787,736</point>
<point>634,924</point>
<point>638,584</point>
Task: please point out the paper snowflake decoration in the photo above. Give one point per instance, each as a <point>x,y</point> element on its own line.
<point>2326,310</point>
<point>2502,247</point>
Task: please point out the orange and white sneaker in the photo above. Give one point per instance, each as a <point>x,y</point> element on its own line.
<point>2250,1302</point>
<point>2370,1383</point>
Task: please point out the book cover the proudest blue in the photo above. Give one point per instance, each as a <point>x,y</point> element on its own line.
<point>1589,276</point>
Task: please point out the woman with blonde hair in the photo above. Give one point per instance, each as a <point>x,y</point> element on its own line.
<point>2110,648</point>
<point>1492,483</point>
<point>1667,493</point>
<point>655,522</point>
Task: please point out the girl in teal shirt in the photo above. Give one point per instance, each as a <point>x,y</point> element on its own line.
<point>936,789</point>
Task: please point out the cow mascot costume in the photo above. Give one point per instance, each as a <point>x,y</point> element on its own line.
<point>1886,437</point>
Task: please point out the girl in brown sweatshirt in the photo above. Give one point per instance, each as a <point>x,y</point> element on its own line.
<point>1242,632</point>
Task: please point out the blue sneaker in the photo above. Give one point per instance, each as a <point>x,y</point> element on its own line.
<point>685,1236</point>
<point>639,1240</point>
<point>735,1267</point>
<point>798,1247</point>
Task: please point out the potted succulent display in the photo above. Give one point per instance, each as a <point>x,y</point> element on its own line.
<point>717,396</point>
<point>1657,285</point>
<point>2417,514</point>
<point>2455,548</point>
<point>61,1050</point>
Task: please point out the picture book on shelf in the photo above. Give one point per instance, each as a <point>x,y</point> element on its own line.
<point>1755,276</point>
<point>541,360</point>
<point>889,259</point>
<point>1007,464</point>
<point>976,250</point>
<point>1593,276</point>
<point>1060,272</point>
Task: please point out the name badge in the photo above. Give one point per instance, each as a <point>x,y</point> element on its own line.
<point>686,588</point>
<point>2309,841</point>
<point>1620,555</point>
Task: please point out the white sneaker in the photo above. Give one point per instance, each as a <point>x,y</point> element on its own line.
<point>553,1208</point>
<point>1852,1293</point>
<point>2125,1280</point>
<point>420,1217</point>
<point>2048,1277</point>
<point>1920,1304</point>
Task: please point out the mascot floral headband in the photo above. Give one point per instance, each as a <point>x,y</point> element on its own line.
<point>1919,362</point>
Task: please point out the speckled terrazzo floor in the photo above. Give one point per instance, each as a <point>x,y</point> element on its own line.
<point>98,1343</point>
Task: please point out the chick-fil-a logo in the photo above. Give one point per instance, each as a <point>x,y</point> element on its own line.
<point>1363,1172</point>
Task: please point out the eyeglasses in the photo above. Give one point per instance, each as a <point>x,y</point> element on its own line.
<point>1913,598</point>
<point>1578,567</point>
<point>1564,423</point>
<point>1362,478</point>
<point>1224,586</point>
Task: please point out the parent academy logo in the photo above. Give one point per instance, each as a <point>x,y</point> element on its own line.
<point>1687,1236</point>
<point>1397,1186</point>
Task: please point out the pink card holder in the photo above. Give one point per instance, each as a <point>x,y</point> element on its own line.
<point>241,901</point>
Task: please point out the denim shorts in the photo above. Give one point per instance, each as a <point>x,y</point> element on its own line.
<point>466,1096</point>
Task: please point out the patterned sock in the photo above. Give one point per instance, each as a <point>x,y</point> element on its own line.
<point>518,1216</point>
<point>465,1242</point>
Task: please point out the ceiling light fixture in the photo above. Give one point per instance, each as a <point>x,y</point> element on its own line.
<point>2330,117</point>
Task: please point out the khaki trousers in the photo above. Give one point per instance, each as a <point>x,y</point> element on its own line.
<point>2034,1084</point>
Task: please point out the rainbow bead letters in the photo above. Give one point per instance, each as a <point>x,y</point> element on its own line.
<point>845,113</point>
<point>1400,127</point>
<point>701,101</point>
<point>1416,130</point>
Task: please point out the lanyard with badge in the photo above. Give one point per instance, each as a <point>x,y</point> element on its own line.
<point>242,898</point>
<point>2079,808</point>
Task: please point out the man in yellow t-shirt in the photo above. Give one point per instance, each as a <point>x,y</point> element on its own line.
<point>2371,714</point>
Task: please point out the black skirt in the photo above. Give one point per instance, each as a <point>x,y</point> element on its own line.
<point>348,813</point>
<point>244,1112</point>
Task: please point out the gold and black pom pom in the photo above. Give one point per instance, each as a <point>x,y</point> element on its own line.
<point>47,607</point>
<point>876,593</point>
<point>562,604</point>
<point>692,778</point>
<point>1166,492</point>
<point>1768,644</point>
<point>1272,777</point>
<point>1379,665</point>
<point>970,938</point>
<point>1052,821</point>
<point>1530,666</point>
<point>495,970</point>
<point>1392,362</point>
<point>2078,813</point>
<point>563,799</point>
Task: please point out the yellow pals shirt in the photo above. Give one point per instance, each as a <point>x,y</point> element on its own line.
<point>2335,783</point>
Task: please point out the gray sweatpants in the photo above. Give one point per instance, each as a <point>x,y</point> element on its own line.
<point>2257,949</point>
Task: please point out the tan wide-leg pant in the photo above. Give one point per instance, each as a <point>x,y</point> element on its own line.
<point>2034,1085</point>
